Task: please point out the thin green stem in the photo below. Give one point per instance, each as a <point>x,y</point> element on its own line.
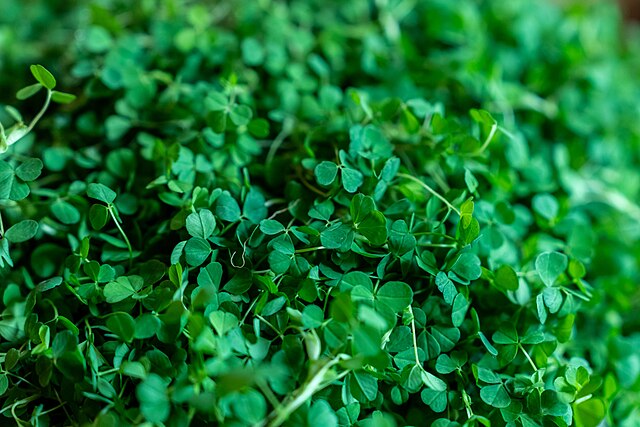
<point>124,236</point>
<point>533,365</point>
<point>304,393</point>
<point>279,139</point>
<point>431,233</point>
<point>415,338</point>
<point>492,133</point>
<point>37,118</point>
<point>430,190</point>
<point>316,248</point>
<point>467,403</point>
<point>438,245</point>
<point>266,322</point>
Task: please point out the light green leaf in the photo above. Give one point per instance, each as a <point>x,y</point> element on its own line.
<point>374,228</point>
<point>222,321</point>
<point>271,227</point>
<point>43,76</point>
<point>227,208</point>
<point>62,98</point>
<point>506,278</point>
<point>196,251</point>
<point>495,395</point>
<point>65,212</point>
<point>101,192</point>
<point>154,402</point>
<point>446,286</point>
<point>201,223</point>
<point>121,288</point>
<point>240,115</point>
<point>550,265</point>
<point>395,295</point>
<point>98,216</point>
<point>326,172</point>
<point>28,92</point>
<point>29,170</point>
<point>351,179</point>
<point>22,231</point>
<point>123,325</point>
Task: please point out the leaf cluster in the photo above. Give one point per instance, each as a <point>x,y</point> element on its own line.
<point>320,213</point>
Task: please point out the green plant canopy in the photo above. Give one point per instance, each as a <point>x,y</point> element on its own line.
<point>319,213</point>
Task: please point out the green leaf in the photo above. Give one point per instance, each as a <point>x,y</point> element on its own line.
<point>374,228</point>
<point>98,216</point>
<point>49,284</point>
<point>506,335</point>
<point>227,208</point>
<point>123,325</point>
<point>490,348</point>
<point>271,227</point>
<point>65,212</point>
<point>259,128</point>
<point>43,76</point>
<point>29,170</point>
<point>22,231</point>
<point>436,399</point>
<point>395,295</point>
<point>546,206</point>
<point>352,179</point>
<point>154,402</point>
<point>196,251</point>
<point>321,414</point>
<point>366,383</point>
<point>210,276</point>
<point>590,412</point>
<point>550,265</point>
<point>369,142</point>
<point>62,97</point>
<point>312,316</point>
<point>446,286</point>
<point>471,181</point>
<point>254,208</point>
<point>10,187</point>
<point>122,288</point>
<point>101,192</point>
<point>326,173</point>
<point>279,262</point>
<point>361,206</point>
<point>336,236</point>
<point>506,278</point>
<point>222,321</point>
<point>459,310</point>
<point>29,91</point>
<point>201,224</point>
<point>466,268</point>
<point>249,406</point>
<point>116,127</point>
<point>495,395</point>
<point>240,115</point>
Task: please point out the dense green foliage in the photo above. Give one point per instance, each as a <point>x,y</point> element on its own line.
<point>322,213</point>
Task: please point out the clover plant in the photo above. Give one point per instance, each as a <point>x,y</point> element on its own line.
<point>319,213</point>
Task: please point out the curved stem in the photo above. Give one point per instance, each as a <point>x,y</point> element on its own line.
<point>126,239</point>
<point>533,365</point>
<point>492,133</point>
<point>37,118</point>
<point>415,338</point>
<point>430,190</point>
<point>309,389</point>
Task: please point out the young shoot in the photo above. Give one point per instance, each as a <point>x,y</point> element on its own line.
<point>19,130</point>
